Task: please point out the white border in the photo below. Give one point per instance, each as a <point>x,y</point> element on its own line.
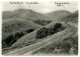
<point>40,0</point>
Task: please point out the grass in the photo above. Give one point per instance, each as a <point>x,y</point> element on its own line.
<point>12,27</point>
<point>26,40</point>
<point>73,18</point>
<point>72,40</point>
<point>50,49</point>
<point>29,37</point>
<point>17,25</point>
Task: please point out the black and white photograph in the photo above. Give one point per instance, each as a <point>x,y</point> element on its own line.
<point>39,28</point>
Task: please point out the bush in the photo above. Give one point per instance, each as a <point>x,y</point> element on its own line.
<point>29,30</point>
<point>64,46</point>
<point>54,28</point>
<point>43,32</point>
<point>12,38</point>
<point>9,40</point>
<point>42,22</point>
<point>57,26</point>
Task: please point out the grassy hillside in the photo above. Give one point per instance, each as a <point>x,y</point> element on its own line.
<point>30,38</point>
<point>73,18</point>
<point>69,44</point>
<point>55,38</point>
<point>24,14</point>
<point>56,15</point>
<point>60,48</point>
<point>63,41</point>
<point>16,28</point>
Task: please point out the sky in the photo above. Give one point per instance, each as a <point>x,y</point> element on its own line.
<point>41,7</point>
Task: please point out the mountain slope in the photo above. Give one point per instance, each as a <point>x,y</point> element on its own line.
<point>56,15</point>
<point>51,39</point>
<point>32,44</point>
<point>14,29</point>
<point>16,25</point>
<point>30,38</point>
<point>73,18</point>
<point>60,47</point>
<point>24,14</point>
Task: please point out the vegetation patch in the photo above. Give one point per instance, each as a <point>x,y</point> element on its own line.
<point>73,18</point>
<point>44,32</point>
<point>67,46</point>
<point>42,22</point>
<point>12,38</point>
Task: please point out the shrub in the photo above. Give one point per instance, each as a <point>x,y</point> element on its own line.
<point>50,31</point>
<point>13,37</point>
<point>64,46</point>
<point>9,40</point>
<point>54,28</point>
<point>42,22</point>
<point>57,26</point>
<point>29,30</point>
<point>43,32</point>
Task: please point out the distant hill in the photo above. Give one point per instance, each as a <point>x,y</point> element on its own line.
<point>71,18</point>
<point>75,12</point>
<point>27,14</point>
<point>56,15</point>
